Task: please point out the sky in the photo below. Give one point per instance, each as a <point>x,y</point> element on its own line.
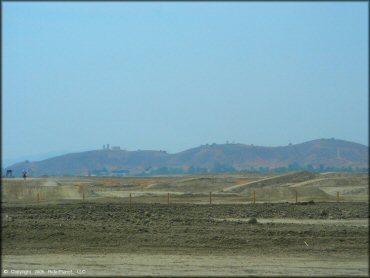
<point>172,76</point>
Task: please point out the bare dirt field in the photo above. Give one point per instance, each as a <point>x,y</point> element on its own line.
<point>64,226</point>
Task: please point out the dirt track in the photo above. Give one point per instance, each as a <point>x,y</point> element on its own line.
<point>87,224</point>
<point>185,239</point>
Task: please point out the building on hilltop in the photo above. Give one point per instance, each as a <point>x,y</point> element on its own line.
<point>114,148</point>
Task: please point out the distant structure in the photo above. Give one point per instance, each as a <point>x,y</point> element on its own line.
<point>9,173</point>
<point>106,147</point>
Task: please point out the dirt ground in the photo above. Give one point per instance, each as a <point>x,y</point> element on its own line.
<point>288,239</point>
<point>106,235</point>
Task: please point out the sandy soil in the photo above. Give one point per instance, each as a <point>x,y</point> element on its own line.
<point>121,264</point>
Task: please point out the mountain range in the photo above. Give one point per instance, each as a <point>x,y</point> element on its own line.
<point>315,155</point>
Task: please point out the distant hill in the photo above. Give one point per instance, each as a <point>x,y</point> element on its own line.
<point>32,157</point>
<point>316,155</point>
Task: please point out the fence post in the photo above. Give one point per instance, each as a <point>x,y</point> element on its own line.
<point>337,196</point>
<point>296,196</point>
<point>210,198</point>
<point>38,197</point>
<point>254,196</point>
<point>168,198</point>
<point>130,199</point>
<point>83,196</point>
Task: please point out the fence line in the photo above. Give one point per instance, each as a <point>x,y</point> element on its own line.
<point>211,199</point>
<point>34,195</point>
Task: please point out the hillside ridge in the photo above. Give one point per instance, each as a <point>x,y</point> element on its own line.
<point>316,155</point>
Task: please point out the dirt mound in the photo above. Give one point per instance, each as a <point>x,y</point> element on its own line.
<point>280,180</point>
<point>195,185</point>
<point>335,181</point>
<point>286,194</point>
<point>349,187</point>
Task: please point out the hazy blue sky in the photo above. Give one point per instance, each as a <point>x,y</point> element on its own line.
<point>177,75</point>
